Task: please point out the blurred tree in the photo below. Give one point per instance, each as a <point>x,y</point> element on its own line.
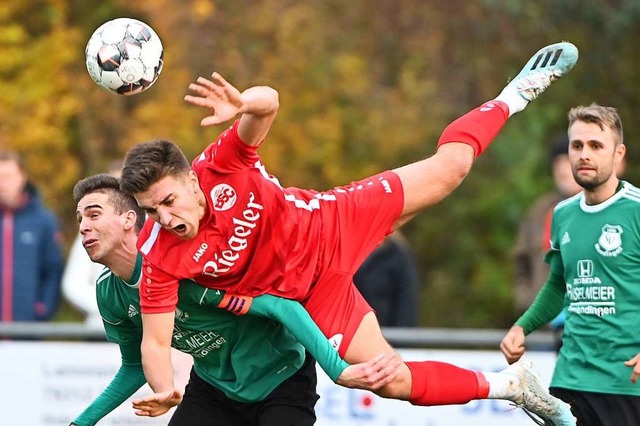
<point>364,85</point>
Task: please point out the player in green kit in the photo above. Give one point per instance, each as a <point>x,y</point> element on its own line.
<point>247,369</point>
<point>595,265</point>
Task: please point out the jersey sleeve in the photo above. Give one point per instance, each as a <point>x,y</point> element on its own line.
<point>297,320</point>
<point>546,306</point>
<point>158,290</point>
<point>227,154</point>
<point>128,379</point>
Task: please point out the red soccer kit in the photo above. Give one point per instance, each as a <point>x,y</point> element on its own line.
<point>259,238</point>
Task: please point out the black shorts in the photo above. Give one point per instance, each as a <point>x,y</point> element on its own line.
<point>601,409</point>
<point>290,404</point>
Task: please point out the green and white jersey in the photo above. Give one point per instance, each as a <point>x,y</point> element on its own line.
<point>597,251</point>
<point>245,356</point>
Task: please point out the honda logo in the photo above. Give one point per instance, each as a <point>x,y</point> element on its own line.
<point>585,268</point>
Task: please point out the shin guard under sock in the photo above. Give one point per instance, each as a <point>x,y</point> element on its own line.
<point>439,383</point>
<point>478,127</point>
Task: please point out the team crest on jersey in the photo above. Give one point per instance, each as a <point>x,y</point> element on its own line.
<point>223,197</point>
<point>610,242</point>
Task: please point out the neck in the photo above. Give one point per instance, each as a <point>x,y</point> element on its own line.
<point>122,259</point>
<point>601,193</point>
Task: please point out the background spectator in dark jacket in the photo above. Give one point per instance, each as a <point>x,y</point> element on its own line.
<point>388,280</point>
<point>31,258</point>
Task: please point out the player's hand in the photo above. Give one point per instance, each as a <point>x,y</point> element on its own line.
<point>373,374</point>
<point>220,97</point>
<point>635,363</point>
<point>512,345</point>
<point>157,404</point>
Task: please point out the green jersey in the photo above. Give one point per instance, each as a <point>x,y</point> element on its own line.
<point>597,251</point>
<point>246,357</point>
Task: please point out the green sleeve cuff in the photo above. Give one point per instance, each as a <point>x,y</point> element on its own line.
<point>297,320</point>
<point>546,306</point>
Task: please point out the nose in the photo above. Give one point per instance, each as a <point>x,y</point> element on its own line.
<point>83,226</point>
<point>164,218</point>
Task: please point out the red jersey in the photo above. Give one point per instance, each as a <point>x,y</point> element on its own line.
<point>255,237</point>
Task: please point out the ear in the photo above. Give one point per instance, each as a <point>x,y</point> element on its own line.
<point>130,218</point>
<point>193,179</point>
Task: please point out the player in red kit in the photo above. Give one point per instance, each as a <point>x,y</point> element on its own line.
<point>227,224</point>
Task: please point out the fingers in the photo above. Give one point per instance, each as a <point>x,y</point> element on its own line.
<point>511,350</point>
<point>218,79</point>
<point>633,361</point>
<point>386,370</point>
<point>380,371</point>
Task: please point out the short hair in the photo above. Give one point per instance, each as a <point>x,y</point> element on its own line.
<point>109,185</point>
<point>6,155</point>
<point>600,115</point>
<point>148,162</point>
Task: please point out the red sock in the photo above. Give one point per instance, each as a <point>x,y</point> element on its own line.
<point>438,383</point>
<point>478,127</point>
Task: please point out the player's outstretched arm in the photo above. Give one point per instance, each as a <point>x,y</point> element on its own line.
<point>258,106</point>
<point>125,383</point>
<point>369,375</point>
<point>156,361</point>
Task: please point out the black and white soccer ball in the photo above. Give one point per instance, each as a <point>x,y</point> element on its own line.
<point>124,56</point>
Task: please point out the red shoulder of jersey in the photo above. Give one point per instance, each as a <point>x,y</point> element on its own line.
<point>227,154</point>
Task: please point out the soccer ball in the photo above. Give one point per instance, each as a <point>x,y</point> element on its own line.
<point>124,56</point>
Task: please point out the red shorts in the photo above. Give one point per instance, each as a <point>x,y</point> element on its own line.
<point>361,217</point>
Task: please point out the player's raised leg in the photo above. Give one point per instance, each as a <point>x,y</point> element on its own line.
<point>429,181</point>
<point>429,383</point>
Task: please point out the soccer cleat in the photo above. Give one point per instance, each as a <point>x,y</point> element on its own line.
<point>548,65</point>
<point>527,393</point>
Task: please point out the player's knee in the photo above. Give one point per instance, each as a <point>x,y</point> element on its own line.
<point>457,163</point>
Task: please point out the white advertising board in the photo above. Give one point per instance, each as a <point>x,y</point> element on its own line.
<point>49,383</point>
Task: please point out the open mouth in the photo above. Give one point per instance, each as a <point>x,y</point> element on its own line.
<point>180,229</point>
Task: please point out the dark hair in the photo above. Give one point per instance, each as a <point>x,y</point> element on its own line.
<point>559,146</point>
<point>147,163</point>
<point>107,184</point>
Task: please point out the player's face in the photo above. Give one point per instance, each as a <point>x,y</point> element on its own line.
<point>594,154</point>
<point>176,203</point>
<point>102,229</point>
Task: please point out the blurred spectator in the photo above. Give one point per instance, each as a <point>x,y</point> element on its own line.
<point>80,274</point>
<point>388,280</point>
<point>31,258</point>
<point>534,233</point>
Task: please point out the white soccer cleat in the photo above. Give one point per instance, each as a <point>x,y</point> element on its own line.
<point>548,65</point>
<point>527,393</point>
